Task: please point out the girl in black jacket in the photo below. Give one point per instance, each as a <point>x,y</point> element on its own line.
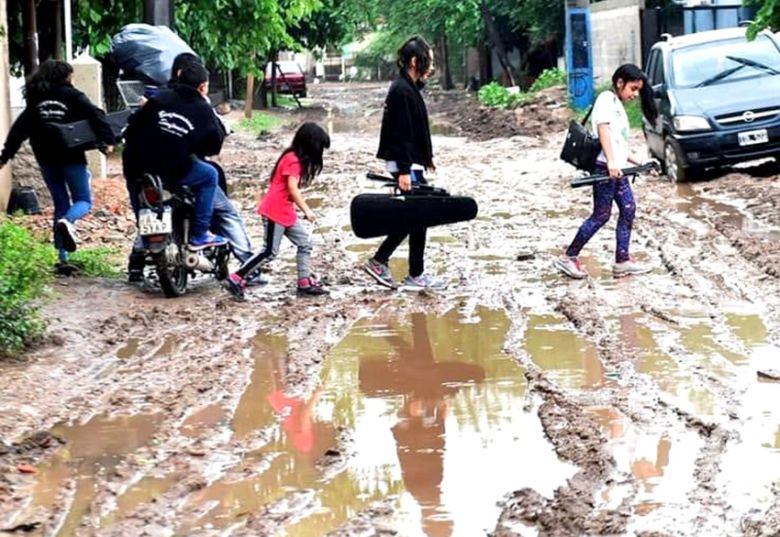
<point>52,99</point>
<point>405,144</point>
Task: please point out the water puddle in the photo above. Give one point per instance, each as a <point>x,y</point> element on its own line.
<point>695,205</point>
<point>434,408</point>
<point>571,360</point>
<point>662,462</point>
<point>93,450</point>
<point>129,350</point>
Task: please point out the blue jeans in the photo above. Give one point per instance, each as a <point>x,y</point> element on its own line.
<point>227,222</point>
<point>69,186</point>
<point>202,178</point>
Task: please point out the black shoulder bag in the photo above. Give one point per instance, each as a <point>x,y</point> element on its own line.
<point>581,148</point>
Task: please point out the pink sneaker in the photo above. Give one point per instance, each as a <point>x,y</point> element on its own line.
<point>571,266</point>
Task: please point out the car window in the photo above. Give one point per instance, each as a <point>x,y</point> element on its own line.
<point>286,67</point>
<point>655,69</point>
<point>694,64</point>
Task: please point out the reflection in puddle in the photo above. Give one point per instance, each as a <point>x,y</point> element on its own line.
<point>91,450</point>
<point>662,463</point>
<point>570,360</point>
<point>435,412</point>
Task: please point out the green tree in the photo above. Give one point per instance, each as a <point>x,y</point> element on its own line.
<point>768,16</point>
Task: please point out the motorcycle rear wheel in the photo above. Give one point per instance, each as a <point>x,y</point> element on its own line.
<point>171,273</point>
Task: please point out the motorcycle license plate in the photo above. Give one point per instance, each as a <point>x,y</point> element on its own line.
<point>759,136</point>
<point>152,223</point>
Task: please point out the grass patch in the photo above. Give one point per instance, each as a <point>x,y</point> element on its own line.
<point>96,262</point>
<point>259,123</point>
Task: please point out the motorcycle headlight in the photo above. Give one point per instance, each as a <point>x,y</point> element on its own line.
<point>691,123</point>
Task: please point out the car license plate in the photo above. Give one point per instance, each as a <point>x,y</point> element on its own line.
<point>753,137</point>
<point>152,223</point>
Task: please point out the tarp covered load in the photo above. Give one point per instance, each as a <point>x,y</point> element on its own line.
<point>146,52</point>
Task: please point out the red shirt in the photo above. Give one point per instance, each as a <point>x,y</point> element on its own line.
<point>277,205</point>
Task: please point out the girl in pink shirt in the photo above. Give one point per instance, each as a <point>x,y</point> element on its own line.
<point>296,168</point>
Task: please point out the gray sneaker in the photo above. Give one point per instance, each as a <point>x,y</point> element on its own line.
<point>380,272</point>
<point>629,268</point>
<point>421,283</point>
<point>570,266</point>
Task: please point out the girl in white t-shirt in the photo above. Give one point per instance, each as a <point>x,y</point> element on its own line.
<point>610,122</point>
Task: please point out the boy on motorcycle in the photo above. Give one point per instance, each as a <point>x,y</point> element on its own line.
<point>164,137</point>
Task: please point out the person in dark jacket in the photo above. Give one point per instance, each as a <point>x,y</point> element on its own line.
<point>225,219</point>
<point>405,145</point>
<point>165,138</point>
<point>52,99</point>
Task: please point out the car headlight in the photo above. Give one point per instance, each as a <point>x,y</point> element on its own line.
<point>690,123</point>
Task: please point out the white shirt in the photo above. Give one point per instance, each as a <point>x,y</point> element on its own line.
<point>608,109</point>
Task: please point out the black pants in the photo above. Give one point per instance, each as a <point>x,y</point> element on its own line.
<point>416,240</point>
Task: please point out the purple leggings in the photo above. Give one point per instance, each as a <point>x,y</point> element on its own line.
<point>603,194</point>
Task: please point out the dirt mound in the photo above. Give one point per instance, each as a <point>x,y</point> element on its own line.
<point>545,112</point>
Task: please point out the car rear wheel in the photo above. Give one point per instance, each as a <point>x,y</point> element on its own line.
<point>673,164</point>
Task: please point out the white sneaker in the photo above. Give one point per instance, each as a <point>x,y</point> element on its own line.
<point>421,283</point>
<point>628,268</point>
<point>67,233</point>
<point>571,266</point>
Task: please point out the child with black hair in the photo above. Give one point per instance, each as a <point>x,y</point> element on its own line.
<point>51,98</point>
<point>405,145</point>
<point>609,122</point>
<point>165,138</point>
<point>297,166</point>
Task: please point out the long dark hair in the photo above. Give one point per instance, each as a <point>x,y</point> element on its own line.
<point>50,74</point>
<point>631,73</point>
<point>308,144</point>
<point>415,47</point>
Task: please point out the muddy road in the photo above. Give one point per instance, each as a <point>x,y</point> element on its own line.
<point>514,402</point>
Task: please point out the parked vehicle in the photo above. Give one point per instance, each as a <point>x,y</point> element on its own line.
<point>290,78</point>
<point>718,97</point>
<point>164,224</point>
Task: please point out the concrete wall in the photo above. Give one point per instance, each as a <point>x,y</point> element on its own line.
<point>616,36</point>
<point>5,106</point>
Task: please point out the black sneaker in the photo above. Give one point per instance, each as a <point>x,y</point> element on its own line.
<point>255,279</point>
<point>235,284</point>
<point>311,287</point>
<point>135,267</point>
<point>63,268</point>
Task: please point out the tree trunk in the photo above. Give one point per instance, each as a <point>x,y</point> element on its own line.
<point>274,67</point>
<point>445,78</point>
<point>159,12</point>
<point>495,40</point>
<point>30,37</point>
<point>58,29</point>
<point>250,93</point>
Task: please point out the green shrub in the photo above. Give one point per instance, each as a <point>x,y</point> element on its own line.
<point>259,123</point>
<point>548,79</point>
<point>494,95</point>
<point>25,269</point>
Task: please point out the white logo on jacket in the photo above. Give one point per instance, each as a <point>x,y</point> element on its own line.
<point>50,110</point>
<point>174,123</point>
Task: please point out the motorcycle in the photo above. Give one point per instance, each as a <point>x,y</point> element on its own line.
<point>164,219</point>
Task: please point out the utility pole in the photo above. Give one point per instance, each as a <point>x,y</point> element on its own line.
<point>30,24</point>
<point>159,12</point>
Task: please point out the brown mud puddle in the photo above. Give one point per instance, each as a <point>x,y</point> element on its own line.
<point>435,415</point>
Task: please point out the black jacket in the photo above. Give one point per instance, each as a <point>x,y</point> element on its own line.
<point>168,132</point>
<point>405,136</point>
<point>62,104</point>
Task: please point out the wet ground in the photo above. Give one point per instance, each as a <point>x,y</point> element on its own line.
<point>514,402</point>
